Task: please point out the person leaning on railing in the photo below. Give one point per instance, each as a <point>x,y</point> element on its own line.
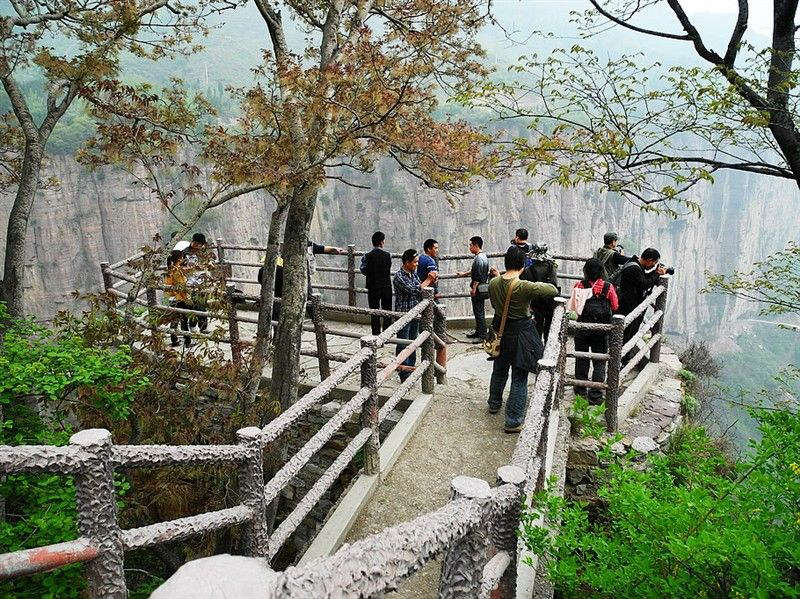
<point>407,294</point>
<point>520,345</point>
<point>634,281</point>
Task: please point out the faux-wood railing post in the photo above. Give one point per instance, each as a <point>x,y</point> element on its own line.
<point>658,326</point>
<point>504,530</point>
<point>462,566</point>
<point>96,505</point>
<point>318,319</point>
<point>351,275</point>
<point>428,346</point>
<point>251,491</point>
<point>233,324</point>
<point>369,412</point>
<point>615,337</point>
<point>440,328</point>
<point>561,367</point>
<point>105,270</point>
<point>550,402</point>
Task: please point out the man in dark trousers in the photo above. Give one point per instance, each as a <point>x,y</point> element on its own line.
<point>634,281</point>
<point>478,287</point>
<point>376,265</point>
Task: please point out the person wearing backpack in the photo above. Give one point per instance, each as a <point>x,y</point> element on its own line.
<point>610,255</point>
<point>594,300</point>
<point>519,342</point>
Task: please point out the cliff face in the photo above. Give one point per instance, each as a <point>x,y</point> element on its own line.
<point>98,216</point>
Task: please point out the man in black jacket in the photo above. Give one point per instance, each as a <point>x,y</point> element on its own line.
<point>636,279</point>
<point>376,265</point>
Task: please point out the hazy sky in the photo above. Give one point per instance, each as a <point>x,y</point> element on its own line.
<point>760,10</point>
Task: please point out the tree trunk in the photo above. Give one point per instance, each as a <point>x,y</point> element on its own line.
<point>267,297</point>
<point>286,362</point>
<point>780,84</point>
<point>11,291</point>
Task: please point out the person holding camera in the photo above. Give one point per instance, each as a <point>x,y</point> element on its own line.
<point>634,281</point>
<point>610,255</point>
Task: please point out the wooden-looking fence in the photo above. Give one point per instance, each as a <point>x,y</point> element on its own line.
<point>477,523</point>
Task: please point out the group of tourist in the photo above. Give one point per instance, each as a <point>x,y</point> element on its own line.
<point>187,271</point>
<point>522,297</point>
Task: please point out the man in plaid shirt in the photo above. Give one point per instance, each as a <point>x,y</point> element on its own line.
<point>407,294</point>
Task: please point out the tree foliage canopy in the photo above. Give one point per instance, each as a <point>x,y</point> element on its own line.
<point>652,131</point>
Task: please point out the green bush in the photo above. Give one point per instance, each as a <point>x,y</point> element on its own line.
<point>693,524</point>
<point>47,378</point>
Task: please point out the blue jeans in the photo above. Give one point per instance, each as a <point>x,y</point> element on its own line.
<point>517,396</point>
<point>410,332</point>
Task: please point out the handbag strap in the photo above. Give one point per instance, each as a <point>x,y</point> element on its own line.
<point>505,306</point>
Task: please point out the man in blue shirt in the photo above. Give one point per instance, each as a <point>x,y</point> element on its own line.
<point>429,262</point>
<point>407,294</point>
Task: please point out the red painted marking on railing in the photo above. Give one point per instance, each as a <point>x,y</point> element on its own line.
<point>42,559</point>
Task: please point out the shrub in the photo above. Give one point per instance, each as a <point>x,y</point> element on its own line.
<point>692,525</point>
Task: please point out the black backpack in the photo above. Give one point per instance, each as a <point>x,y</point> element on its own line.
<point>597,308</point>
<point>616,278</point>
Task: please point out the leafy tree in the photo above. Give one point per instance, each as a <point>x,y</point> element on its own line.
<point>773,283</point>
<point>71,46</point>
<point>648,131</point>
<point>362,85</point>
<point>692,525</point>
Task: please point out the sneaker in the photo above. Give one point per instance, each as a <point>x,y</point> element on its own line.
<point>512,429</point>
<point>472,335</point>
<point>494,410</point>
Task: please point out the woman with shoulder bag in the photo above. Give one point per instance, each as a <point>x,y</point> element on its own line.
<point>513,341</point>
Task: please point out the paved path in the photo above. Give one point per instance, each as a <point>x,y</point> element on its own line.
<point>456,437</point>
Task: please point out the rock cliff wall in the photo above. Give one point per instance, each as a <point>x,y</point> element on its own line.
<point>100,215</point>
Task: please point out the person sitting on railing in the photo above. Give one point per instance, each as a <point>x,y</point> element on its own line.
<point>593,300</point>
<point>376,266</point>
<point>178,297</point>
<point>429,262</point>
<point>520,345</point>
<point>478,287</point>
<point>407,294</point>
<point>634,281</point>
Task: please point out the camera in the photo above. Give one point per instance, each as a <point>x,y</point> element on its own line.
<point>539,249</point>
<point>669,269</point>
<point>619,248</point>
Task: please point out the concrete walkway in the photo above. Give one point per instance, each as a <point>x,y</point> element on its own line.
<point>456,437</point>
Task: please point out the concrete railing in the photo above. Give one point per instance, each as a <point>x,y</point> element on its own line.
<point>351,270</point>
<point>91,459</point>
<point>618,349</point>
